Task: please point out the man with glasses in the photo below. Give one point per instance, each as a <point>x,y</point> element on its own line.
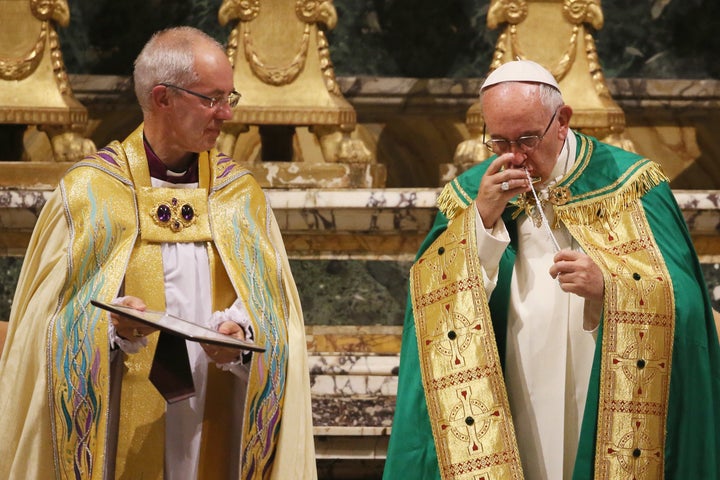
<point>160,221</point>
<point>559,325</point>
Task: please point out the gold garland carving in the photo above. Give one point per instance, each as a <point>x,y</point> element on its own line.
<point>276,75</point>
<point>58,65</point>
<point>506,11</point>
<point>595,69</point>
<point>576,12</point>
<point>326,66</point>
<point>309,12</point>
<point>23,66</point>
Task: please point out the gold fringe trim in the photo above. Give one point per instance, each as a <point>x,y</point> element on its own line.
<point>587,212</point>
<point>449,201</point>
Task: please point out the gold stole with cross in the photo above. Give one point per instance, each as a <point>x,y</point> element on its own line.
<point>460,365</point>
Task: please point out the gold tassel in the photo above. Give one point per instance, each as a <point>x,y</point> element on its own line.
<point>611,204</point>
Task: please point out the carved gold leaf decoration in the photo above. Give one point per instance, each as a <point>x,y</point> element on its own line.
<point>326,66</point>
<point>584,11</point>
<point>314,11</point>
<point>243,10</point>
<point>276,75</point>
<point>506,11</point>
<point>23,66</point>
<point>55,10</point>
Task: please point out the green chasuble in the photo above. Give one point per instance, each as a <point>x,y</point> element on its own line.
<point>653,404</point>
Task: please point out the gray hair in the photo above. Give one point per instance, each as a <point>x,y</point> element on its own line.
<point>550,97</point>
<point>168,57</point>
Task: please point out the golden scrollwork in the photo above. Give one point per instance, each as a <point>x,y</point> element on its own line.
<point>291,98</point>
<point>58,65</point>
<point>35,89</point>
<point>558,34</point>
<point>313,11</point>
<point>576,12</point>
<point>55,10</point>
<point>595,69</point>
<point>310,12</point>
<point>243,10</point>
<point>506,11</point>
<point>584,11</point>
<point>24,65</point>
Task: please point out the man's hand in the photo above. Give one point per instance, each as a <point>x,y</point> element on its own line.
<point>126,327</point>
<point>225,354</point>
<point>577,273</point>
<point>498,186</point>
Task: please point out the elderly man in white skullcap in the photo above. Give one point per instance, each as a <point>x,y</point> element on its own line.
<point>557,313</point>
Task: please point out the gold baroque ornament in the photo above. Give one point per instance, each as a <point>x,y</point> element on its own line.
<point>174,216</point>
<point>566,59</point>
<point>326,66</point>
<point>510,11</point>
<point>307,11</point>
<point>276,75</point>
<point>313,11</point>
<point>576,12</point>
<point>23,66</point>
<point>584,11</point>
<point>45,11</point>
<point>56,10</point>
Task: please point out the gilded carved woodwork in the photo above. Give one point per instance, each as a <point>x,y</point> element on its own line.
<point>293,123</point>
<point>558,34</point>
<point>34,88</point>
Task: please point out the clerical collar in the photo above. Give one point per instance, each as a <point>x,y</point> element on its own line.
<point>160,171</point>
<point>564,162</point>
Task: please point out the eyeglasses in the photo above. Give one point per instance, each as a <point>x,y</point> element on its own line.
<point>525,144</point>
<point>231,99</point>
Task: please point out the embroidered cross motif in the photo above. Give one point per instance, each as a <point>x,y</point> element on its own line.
<point>453,336</point>
<point>446,256</point>
<point>638,365</point>
<point>469,420</point>
<point>634,454</point>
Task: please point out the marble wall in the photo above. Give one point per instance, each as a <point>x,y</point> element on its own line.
<point>337,292</point>
<point>413,38</point>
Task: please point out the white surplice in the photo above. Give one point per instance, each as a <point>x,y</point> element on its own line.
<point>549,353</point>
<point>188,295</point>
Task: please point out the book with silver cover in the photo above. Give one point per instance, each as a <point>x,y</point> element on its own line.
<point>178,326</point>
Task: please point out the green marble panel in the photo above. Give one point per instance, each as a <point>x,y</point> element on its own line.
<point>352,292</point>
<point>332,292</point>
<point>337,292</point>
<point>9,273</point>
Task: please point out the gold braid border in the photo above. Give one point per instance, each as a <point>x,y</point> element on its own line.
<point>462,377</point>
<point>638,329</point>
